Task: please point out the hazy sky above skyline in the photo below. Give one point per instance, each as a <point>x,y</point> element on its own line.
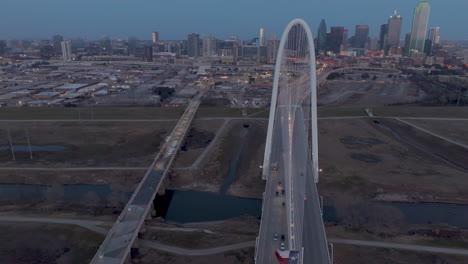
<point>174,19</point>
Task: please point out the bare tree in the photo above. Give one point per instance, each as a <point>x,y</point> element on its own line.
<point>381,219</point>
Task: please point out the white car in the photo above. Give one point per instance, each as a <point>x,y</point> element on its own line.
<point>275,237</point>
<point>282,246</point>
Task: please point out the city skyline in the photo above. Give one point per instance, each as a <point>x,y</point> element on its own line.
<point>184,17</point>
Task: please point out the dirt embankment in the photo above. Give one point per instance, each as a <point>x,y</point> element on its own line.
<point>199,136</point>
<point>213,170</point>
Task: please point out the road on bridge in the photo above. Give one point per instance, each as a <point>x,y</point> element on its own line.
<point>116,246</point>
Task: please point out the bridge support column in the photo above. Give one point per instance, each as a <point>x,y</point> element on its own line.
<point>142,230</point>
<point>128,259</point>
<point>150,214</point>
<point>330,250</point>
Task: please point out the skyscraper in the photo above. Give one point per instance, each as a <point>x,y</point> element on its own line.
<point>155,37</point>
<point>345,37</point>
<point>148,54</point>
<point>57,41</point>
<point>360,36</point>
<point>262,37</point>
<point>209,46</point>
<point>419,27</point>
<point>66,50</point>
<point>2,47</point>
<point>322,36</point>
<point>393,32</point>
<point>383,36</point>
<point>434,35</point>
<point>193,45</point>
<point>335,39</point>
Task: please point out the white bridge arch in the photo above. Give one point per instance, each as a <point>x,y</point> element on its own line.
<point>291,206</point>
<point>303,41</point>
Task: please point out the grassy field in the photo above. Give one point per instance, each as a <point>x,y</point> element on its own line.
<point>25,243</point>
<point>195,240</point>
<point>454,130</point>
<point>122,180</point>
<point>422,240</point>
<point>361,159</point>
<point>340,111</point>
<point>152,256</point>
<point>38,113</point>
<point>420,111</point>
<point>90,144</point>
<point>151,113</point>
<point>348,254</point>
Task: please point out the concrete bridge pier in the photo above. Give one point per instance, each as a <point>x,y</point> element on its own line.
<point>128,259</point>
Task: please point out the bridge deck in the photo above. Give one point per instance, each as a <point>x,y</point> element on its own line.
<point>117,244</point>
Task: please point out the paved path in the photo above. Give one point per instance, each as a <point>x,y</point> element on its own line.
<point>220,118</point>
<point>194,252</point>
<point>94,225</point>
<point>182,229</point>
<point>433,134</point>
<point>71,168</point>
<point>399,246</point>
<point>89,120</point>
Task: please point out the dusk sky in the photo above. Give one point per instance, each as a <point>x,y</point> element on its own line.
<point>174,19</point>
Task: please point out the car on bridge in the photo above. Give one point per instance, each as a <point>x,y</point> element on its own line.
<point>282,247</point>
<point>275,237</point>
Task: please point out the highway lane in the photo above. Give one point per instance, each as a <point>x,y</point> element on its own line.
<point>274,214</point>
<point>314,240</point>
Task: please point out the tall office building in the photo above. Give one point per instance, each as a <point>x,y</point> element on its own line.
<point>2,47</point>
<point>148,54</point>
<point>419,27</point>
<point>209,46</point>
<point>345,37</point>
<point>322,37</point>
<point>261,37</point>
<point>465,56</point>
<point>360,36</point>
<point>193,45</point>
<point>66,50</point>
<point>374,44</point>
<point>57,42</point>
<point>393,32</point>
<point>383,36</point>
<point>434,35</point>
<point>155,37</point>
<point>335,39</point>
<point>272,48</point>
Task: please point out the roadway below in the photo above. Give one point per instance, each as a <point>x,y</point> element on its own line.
<point>291,165</point>
<point>274,220</point>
